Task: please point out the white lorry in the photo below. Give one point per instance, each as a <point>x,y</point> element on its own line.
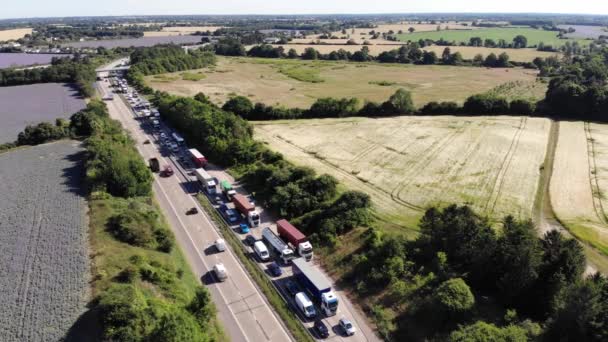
<point>206,181</point>
<point>281,248</point>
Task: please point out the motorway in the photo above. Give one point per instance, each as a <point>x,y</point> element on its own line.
<point>242,309</point>
<point>239,306</point>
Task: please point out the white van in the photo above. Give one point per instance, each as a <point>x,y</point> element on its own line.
<point>260,249</point>
<point>220,245</point>
<point>305,305</point>
<point>220,272</point>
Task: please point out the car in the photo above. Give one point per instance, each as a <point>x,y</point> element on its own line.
<point>229,214</point>
<point>321,329</point>
<point>174,148</point>
<point>218,200</point>
<point>275,269</point>
<point>347,326</point>
<point>163,136</point>
<point>244,228</point>
<point>168,171</point>
<point>192,211</point>
<point>292,288</point>
<point>250,240</point>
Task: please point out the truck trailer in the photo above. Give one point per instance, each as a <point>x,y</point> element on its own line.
<point>281,248</point>
<point>197,158</point>
<point>242,204</point>
<point>206,181</point>
<point>227,189</point>
<point>317,285</point>
<point>298,240</point>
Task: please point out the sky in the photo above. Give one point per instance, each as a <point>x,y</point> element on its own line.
<point>66,8</point>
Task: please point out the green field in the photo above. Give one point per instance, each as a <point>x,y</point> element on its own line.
<point>507,33</point>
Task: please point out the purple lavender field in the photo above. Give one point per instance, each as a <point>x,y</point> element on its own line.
<point>137,42</point>
<point>30,104</point>
<point>9,60</point>
<point>44,265</point>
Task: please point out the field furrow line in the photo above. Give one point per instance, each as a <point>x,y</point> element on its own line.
<point>371,147</point>
<point>593,178</point>
<point>506,163</point>
<point>456,168</point>
<point>368,188</point>
<point>422,164</point>
<point>32,249</point>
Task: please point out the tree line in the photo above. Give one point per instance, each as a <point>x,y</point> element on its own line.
<point>79,70</point>
<point>400,103</point>
<point>411,53</point>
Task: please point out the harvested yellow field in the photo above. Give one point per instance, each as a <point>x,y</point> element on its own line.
<point>410,163</point>
<point>468,52</point>
<point>290,82</point>
<point>579,181</point>
<point>14,34</point>
<point>180,30</point>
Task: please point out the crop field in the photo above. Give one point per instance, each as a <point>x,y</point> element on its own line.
<point>31,104</point>
<point>534,36</point>
<point>9,60</point>
<point>585,31</point>
<point>14,34</point>
<point>136,42</point>
<point>410,163</point>
<point>468,52</point>
<point>180,30</point>
<point>44,265</point>
<point>580,181</point>
<point>296,83</point>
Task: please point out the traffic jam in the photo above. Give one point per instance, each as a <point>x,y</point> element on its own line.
<point>281,250</point>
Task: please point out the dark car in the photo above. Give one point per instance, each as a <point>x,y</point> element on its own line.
<point>292,287</point>
<point>192,211</point>
<point>250,240</point>
<point>275,269</point>
<point>321,329</point>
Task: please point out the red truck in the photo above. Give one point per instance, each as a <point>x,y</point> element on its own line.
<point>197,158</point>
<point>295,237</point>
<point>242,204</point>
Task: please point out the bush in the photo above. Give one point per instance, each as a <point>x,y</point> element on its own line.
<point>437,108</point>
<point>485,104</point>
<point>139,225</point>
<point>523,107</point>
<point>399,103</point>
<point>239,105</point>
<point>43,132</point>
<point>454,296</point>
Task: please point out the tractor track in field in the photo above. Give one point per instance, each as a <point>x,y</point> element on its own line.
<point>593,178</point>
<point>504,167</point>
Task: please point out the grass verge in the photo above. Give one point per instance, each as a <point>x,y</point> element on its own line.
<point>308,74</point>
<point>292,322</point>
<point>110,257</point>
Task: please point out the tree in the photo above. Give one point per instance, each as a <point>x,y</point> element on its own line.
<point>411,30</point>
<point>400,102</point>
<point>454,296</point>
<point>517,261</point>
<point>239,105</point>
<point>124,313</point>
<point>520,42</point>
<point>491,60</point>
<point>292,53</point>
<point>446,55</point>
<point>310,54</point>
<point>503,60</point>
<point>475,41</point>
<point>429,57</point>
<point>478,59</point>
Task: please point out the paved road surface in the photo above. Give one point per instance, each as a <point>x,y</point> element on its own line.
<point>244,313</point>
